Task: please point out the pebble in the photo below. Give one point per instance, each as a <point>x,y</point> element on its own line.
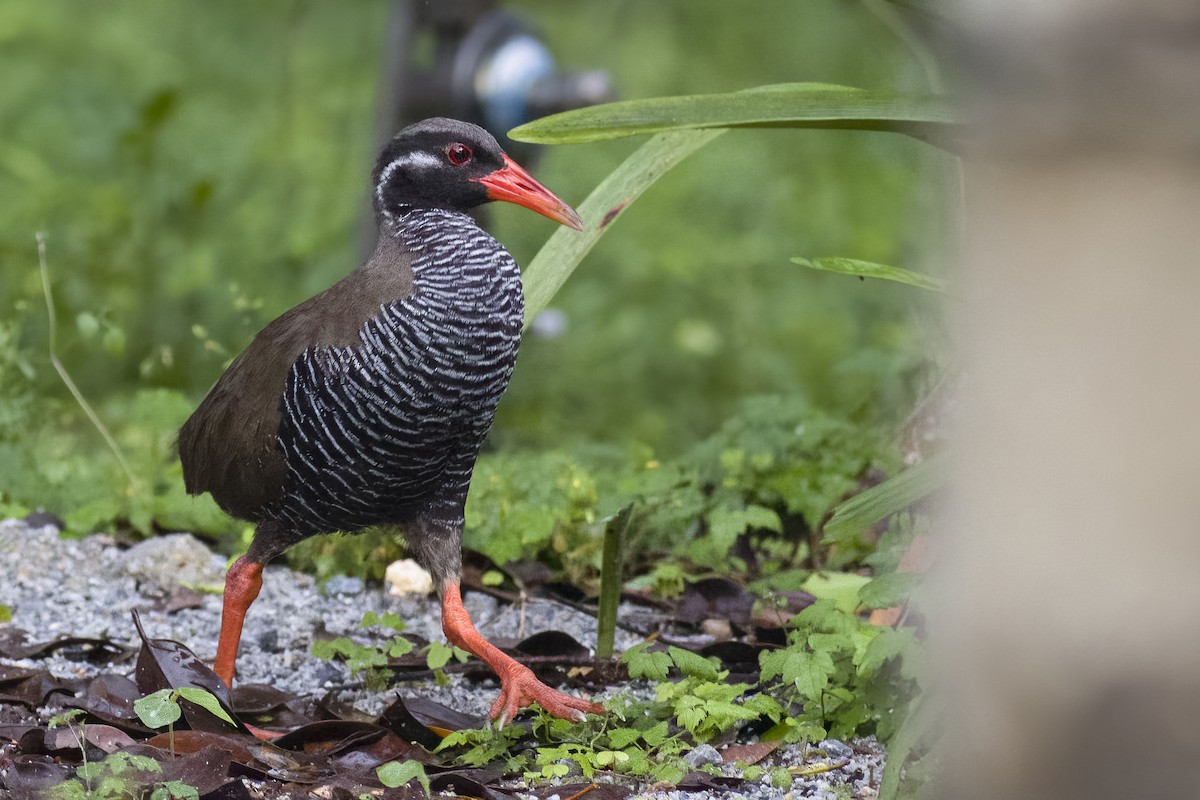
<point>703,755</point>
<point>344,584</point>
<point>835,749</point>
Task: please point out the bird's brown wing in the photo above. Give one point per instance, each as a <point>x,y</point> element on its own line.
<point>229,446</point>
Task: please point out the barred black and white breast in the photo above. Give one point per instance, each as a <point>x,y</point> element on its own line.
<point>390,426</point>
<point>368,403</point>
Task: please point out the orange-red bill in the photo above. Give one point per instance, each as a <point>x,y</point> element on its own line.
<point>512,184</point>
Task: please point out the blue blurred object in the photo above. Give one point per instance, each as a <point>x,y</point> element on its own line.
<point>471,60</point>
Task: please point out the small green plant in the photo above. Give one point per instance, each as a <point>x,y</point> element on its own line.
<point>477,747</point>
<point>642,739</point>
<point>838,676</point>
<point>121,776</point>
<point>116,777</point>
<point>842,676</point>
<point>161,708</point>
<point>368,660</point>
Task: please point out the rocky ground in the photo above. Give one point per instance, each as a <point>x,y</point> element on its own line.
<point>89,587</point>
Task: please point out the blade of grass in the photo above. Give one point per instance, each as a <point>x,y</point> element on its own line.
<point>868,269</point>
<point>562,253</point>
<point>611,572</point>
<point>896,493</point>
<point>789,105</point>
<point>134,485</point>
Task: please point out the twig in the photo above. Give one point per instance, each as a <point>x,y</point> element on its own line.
<point>134,484</point>
<point>817,769</point>
<point>582,792</point>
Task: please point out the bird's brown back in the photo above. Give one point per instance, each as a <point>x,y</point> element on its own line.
<point>229,446</point>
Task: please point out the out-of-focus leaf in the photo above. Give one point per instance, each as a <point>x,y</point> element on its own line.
<point>558,258</point>
<point>897,493</point>
<point>839,587</point>
<point>785,105</point>
<point>868,269</point>
<point>888,590</point>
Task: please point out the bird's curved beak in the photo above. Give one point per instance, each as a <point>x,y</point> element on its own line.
<point>513,184</point>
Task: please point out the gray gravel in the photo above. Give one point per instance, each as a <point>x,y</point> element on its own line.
<point>88,587</point>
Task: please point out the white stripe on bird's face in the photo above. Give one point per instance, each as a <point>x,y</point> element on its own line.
<point>418,160</point>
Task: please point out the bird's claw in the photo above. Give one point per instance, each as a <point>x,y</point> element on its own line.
<point>519,688</point>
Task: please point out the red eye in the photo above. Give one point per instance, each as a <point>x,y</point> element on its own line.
<point>459,154</point>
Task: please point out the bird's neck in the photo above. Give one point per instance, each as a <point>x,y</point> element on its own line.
<point>456,264</point>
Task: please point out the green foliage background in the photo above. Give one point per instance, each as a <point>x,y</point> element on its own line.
<point>197,170</point>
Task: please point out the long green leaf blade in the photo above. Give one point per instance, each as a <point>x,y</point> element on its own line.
<point>558,258</point>
<point>869,269</point>
<point>896,493</point>
<point>788,105</point>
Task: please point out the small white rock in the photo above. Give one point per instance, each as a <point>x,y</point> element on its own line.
<point>407,577</point>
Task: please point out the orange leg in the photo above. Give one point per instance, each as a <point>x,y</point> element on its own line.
<point>518,686</point>
<point>242,584</point>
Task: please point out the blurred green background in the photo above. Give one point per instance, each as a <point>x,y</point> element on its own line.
<point>199,168</point>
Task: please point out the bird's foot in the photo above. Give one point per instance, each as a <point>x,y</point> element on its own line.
<point>519,687</point>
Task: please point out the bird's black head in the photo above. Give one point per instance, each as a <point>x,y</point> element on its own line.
<point>445,163</point>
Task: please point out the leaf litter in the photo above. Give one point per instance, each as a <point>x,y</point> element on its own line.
<point>331,748</point>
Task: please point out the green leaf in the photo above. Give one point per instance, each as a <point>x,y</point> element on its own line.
<point>780,778</point>
<point>439,655</point>
<point>895,494</point>
<point>90,771</point>
<point>623,737</point>
<point>656,735</point>
<point>808,672</point>
<point>692,665</point>
<point>839,587</point>
<point>398,773</point>
<point>65,718</point>
<point>726,524</point>
<point>868,269</point>
<point>889,590</point>
<point>175,790</point>
<point>670,772</point>
<point>399,646</point>
<point>786,105</point>
<point>690,713</point>
<point>206,700</point>
<point>643,664</point>
<point>144,763</point>
<point>158,710</point>
<point>558,258</point>
<point>828,616</point>
<point>889,644</point>
<point>68,790</point>
<point>608,758</point>
<point>388,620</point>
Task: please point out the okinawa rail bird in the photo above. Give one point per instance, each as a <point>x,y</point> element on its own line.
<point>368,403</point>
